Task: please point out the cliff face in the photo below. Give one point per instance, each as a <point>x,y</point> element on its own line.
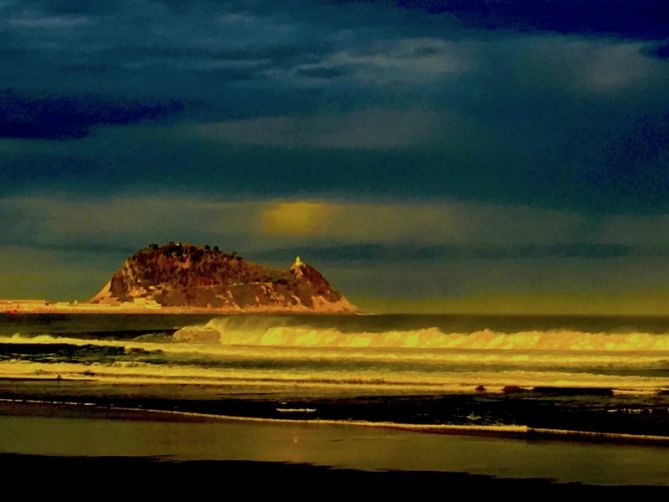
<point>184,275</point>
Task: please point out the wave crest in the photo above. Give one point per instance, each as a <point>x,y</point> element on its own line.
<point>281,333</point>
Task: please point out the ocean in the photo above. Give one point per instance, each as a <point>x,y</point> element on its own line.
<point>590,374</point>
<point>189,387</point>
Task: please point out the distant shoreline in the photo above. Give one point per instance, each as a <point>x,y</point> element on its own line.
<point>20,307</point>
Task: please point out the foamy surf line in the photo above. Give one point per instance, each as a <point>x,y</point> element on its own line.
<point>373,384</point>
<point>498,431</point>
<point>453,384</point>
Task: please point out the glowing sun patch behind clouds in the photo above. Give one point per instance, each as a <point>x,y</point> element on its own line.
<point>296,218</point>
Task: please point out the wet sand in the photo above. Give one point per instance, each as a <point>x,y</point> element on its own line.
<point>159,448</point>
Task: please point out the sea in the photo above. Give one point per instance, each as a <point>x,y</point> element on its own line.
<point>606,374</point>
<point>601,381</point>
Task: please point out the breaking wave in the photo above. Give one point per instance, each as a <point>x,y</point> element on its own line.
<point>269,333</point>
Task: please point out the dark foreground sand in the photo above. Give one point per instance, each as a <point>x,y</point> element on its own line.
<point>88,477</point>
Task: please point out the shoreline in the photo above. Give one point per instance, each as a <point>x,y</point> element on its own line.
<point>578,417</point>
<point>523,432</point>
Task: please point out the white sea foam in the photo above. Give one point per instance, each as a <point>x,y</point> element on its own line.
<point>280,352</point>
<point>268,333</point>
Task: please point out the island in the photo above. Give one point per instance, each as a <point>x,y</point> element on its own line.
<point>181,278</point>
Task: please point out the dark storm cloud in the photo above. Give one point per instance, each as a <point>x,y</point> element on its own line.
<point>191,50</point>
<point>646,19</point>
<point>637,160</point>
<point>72,6</point>
<point>659,51</point>
<point>322,72</point>
<point>552,177</point>
<point>57,117</point>
<point>528,118</point>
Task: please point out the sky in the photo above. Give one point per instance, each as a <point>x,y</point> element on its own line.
<point>426,156</point>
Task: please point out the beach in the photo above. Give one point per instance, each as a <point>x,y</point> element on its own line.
<point>484,403</point>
